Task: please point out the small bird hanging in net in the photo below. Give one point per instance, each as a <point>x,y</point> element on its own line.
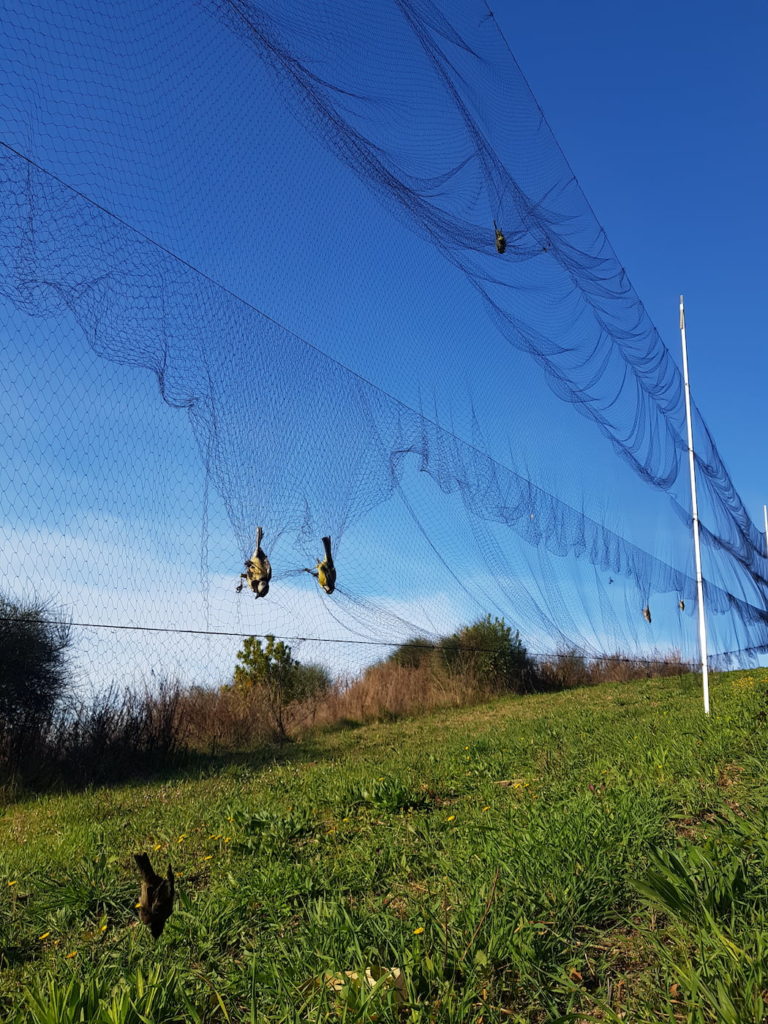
<point>325,571</point>
<point>647,613</point>
<point>258,571</point>
<point>501,242</point>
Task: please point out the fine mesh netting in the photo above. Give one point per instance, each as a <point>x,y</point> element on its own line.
<point>251,276</point>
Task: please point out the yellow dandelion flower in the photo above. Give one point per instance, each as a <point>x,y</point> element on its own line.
<point>227,839</point>
<point>157,846</point>
<point>182,838</point>
<point>487,807</point>
<point>70,955</point>
<point>136,906</point>
<point>215,835</point>
<point>418,931</point>
<point>12,883</point>
<point>43,936</point>
<point>451,818</point>
<point>345,819</point>
<point>209,857</point>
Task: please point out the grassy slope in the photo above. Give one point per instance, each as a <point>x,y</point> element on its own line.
<point>396,846</point>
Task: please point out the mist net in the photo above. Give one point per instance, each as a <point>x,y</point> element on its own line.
<point>322,268</point>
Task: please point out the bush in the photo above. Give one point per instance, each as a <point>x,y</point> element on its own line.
<point>33,675</point>
<point>412,654</point>
<point>566,670</point>
<point>490,653</point>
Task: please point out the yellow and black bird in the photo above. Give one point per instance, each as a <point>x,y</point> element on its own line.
<point>258,571</point>
<point>156,899</point>
<point>325,571</point>
<point>501,242</point>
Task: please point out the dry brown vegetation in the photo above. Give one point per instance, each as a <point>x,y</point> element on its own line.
<point>388,690</point>
<point>121,733</point>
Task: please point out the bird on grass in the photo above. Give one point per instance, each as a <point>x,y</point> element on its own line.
<point>156,899</point>
<point>325,571</point>
<point>258,571</point>
<point>501,242</point>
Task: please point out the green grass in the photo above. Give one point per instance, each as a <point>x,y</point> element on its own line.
<point>596,854</point>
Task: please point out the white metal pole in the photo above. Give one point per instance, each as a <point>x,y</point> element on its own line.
<point>695,514</point>
<point>765,517</point>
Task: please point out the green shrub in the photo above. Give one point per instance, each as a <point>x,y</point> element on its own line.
<point>491,654</point>
<point>413,654</point>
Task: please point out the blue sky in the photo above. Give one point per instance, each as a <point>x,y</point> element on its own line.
<point>662,111</point>
<point>178,130</point>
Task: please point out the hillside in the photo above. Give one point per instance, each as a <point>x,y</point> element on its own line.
<point>599,853</point>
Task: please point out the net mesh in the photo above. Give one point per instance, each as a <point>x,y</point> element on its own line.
<point>250,276</point>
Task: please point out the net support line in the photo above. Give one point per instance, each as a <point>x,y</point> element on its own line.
<point>695,517</point>
<point>425,644</point>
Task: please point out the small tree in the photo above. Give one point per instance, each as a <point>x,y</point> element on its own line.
<point>272,669</point>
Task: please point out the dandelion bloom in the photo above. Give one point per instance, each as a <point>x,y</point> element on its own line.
<point>417,931</point>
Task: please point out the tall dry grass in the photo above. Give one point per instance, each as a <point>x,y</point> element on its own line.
<point>570,668</point>
<point>389,690</point>
<point>103,737</point>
